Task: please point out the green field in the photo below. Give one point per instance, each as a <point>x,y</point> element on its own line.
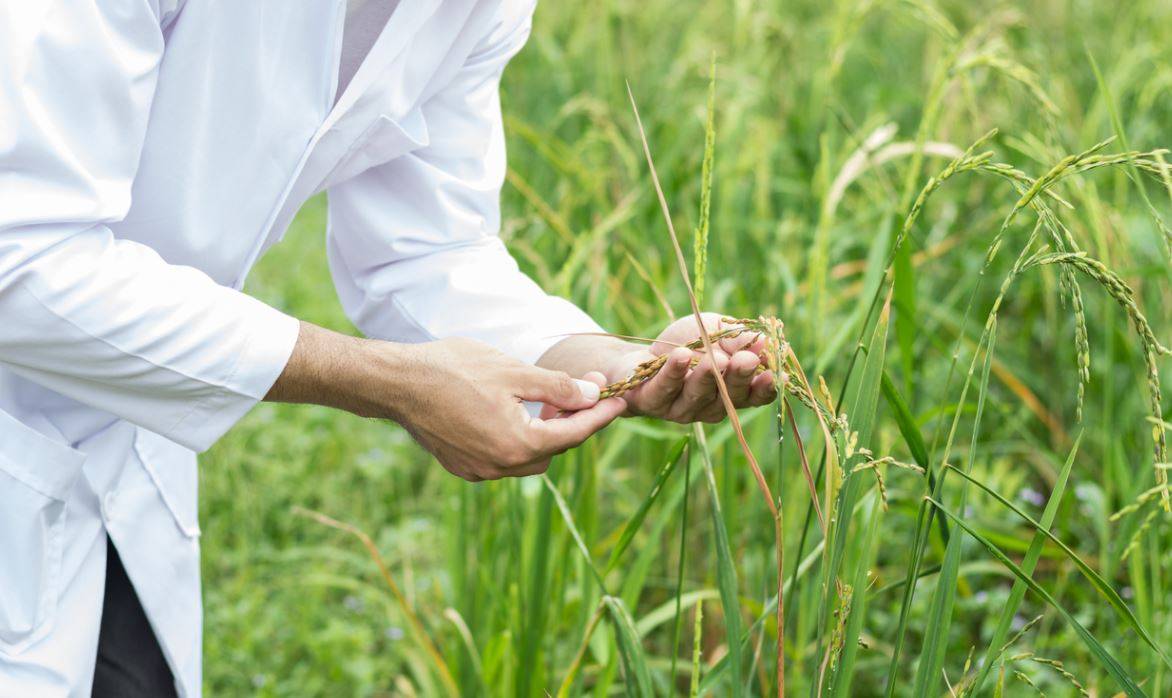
<point>830,119</point>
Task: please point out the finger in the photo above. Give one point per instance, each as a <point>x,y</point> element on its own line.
<point>739,375</point>
<point>699,388</point>
<point>552,412</point>
<point>713,414</point>
<point>683,331</point>
<point>595,377</point>
<point>658,393</point>
<point>555,388</point>
<point>534,468</point>
<point>549,436</point>
<point>742,341</point>
<point>763,391</point>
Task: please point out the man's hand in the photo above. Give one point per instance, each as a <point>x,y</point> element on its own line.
<point>680,392</point>
<point>460,399</point>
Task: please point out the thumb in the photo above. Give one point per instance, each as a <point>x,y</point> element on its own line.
<point>557,389</point>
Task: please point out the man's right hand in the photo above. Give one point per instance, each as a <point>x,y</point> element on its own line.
<point>460,399</point>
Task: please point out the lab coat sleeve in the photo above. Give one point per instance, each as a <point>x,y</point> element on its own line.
<point>104,320</point>
<point>413,243</point>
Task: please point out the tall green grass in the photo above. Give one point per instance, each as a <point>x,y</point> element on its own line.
<point>974,505</point>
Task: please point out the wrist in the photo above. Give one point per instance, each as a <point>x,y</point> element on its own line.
<point>363,376</point>
<point>579,355</point>
<point>383,378</point>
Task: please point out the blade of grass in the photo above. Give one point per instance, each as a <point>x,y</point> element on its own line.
<point>1101,585</point>
<point>931,665</point>
<point>580,655</point>
<point>635,669</point>
<point>634,662</point>
<point>726,571</point>
<point>1029,562</point>
<point>1104,657</point>
<point>568,517</point>
<point>675,634</point>
<point>863,410</point>
<point>912,437</point>
<point>636,521</point>
<point>697,639</point>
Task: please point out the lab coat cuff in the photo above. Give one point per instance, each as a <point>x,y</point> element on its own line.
<point>272,336</point>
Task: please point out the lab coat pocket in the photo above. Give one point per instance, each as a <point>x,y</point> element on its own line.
<point>175,473</point>
<point>36,475</point>
<point>384,140</point>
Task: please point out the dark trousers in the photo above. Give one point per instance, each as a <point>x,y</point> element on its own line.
<point>130,662</point>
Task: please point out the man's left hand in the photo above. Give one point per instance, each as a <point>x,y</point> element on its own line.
<point>684,393</point>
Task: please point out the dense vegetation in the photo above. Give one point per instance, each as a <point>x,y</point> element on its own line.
<point>1005,360</point>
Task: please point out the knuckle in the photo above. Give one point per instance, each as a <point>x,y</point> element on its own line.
<point>563,386</point>
<point>696,398</point>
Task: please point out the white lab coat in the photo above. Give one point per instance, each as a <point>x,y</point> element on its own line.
<point>150,151</point>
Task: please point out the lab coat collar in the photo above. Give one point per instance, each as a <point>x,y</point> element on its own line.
<point>407,17</point>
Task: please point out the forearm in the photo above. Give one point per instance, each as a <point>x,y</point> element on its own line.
<point>459,398</point>
<point>361,376</point>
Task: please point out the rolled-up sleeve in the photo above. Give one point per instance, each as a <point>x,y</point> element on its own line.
<point>414,243</point>
<point>104,320</point>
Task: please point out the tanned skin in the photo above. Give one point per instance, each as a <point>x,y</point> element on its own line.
<point>463,401</point>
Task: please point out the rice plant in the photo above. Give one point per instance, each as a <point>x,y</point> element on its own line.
<point>949,222</point>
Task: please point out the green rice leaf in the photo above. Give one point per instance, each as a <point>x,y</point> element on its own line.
<point>635,670</point>
<point>1101,585</point>
<point>1029,562</point>
<point>568,517</point>
<point>726,573</point>
<point>1104,657</point>
<point>931,667</point>
<point>636,521</point>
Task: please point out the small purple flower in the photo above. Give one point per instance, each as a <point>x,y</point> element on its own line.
<point>394,633</point>
<point>1032,496</point>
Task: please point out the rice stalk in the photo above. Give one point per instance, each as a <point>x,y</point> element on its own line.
<point>572,673</point>
<point>697,645</point>
<point>720,384</point>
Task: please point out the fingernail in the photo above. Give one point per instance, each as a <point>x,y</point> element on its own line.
<point>589,390</point>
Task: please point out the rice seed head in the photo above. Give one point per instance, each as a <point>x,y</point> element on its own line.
<point>700,242</point>
<point>1152,348</point>
<point>1059,667</point>
<point>1026,680</point>
<point>648,369</point>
